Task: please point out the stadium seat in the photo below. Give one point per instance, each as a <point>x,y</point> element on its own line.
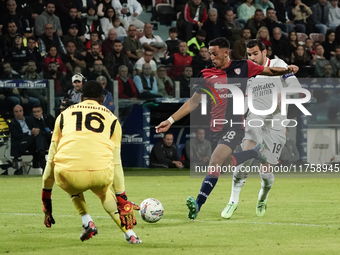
<point>155,3</point>
<point>302,37</point>
<point>317,37</point>
<point>179,149</point>
<point>139,33</point>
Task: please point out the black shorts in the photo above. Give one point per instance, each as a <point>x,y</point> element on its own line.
<point>231,138</point>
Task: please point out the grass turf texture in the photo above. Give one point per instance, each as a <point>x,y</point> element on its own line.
<point>302,218</point>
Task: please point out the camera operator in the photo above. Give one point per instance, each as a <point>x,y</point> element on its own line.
<point>74,95</point>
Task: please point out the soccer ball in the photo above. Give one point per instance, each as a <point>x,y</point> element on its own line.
<point>151,210</point>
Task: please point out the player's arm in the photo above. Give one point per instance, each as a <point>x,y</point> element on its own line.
<point>278,71</point>
<point>185,109</point>
<point>48,177</point>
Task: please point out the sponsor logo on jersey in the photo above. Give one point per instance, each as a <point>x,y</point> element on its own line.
<point>237,71</point>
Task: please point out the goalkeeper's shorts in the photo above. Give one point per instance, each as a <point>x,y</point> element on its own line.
<point>77,181</point>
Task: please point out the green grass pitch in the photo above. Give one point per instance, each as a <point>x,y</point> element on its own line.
<point>302,218</point>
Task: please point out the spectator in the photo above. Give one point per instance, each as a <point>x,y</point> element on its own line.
<point>121,33</point>
<point>191,18</point>
<point>31,73</point>
<point>335,61</point>
<point>107,21</point>
<point>7,40</point>
<point>11,96</point>
<point>184,82</point>
<point>329,44</point>
<point>292,42</point>
<point>285,16</point>
<point>128,12</point>
<point>280,47</point>
<point>126,87</point>
<point>72,35</point>
<point>103,6</point>
<point>72,18</point>
<point>223,6</point>
<point>300,57</point>
<point>210,4</point>
<point>25,136</point>
<point>108,99</point>
<point>94,38</point>
<point>196,43</point>
<point>334,14</point>
<point>233,28</point>
<point>44,122</point>
<point>52,55</point>
<point>72,58</point>
<point>164,154</point>
<point>132,46</point>
<point>270,53</point>
<point>74,94</point>
<point>272,21</point>
<point>213,27</point>
<point>117,58</point>
<point>198,149</point>
<point>37,7</point>
<point>301,13</point>
<point>92,24</point>
<point>27,33</point>
<point>178,60</point>
<point>100,70</point>
<point>319,61</point>
<point>18,55</point>
<point>62,8</point>
<point>152,42</point>
<point>255,23</point>
<point>83,6</point>
<point>201,61</point>
<point>240,50</point>
<point>172,42</point>
<point>309,47</point>
<point>92,56</point>
<point>290,154</point>
<point>48,39</point>
<point>263,35</point>
<point>33,49</point>
<point>164,82</point>
<point>147,58</point>
<point>246,10</point>
<point>328,72</point>
<point>146,84</point>
<point>107,46</point>
<point>320,16</point>
<point>48,18</point>
<point>21,21</point>
<point>263,5</point>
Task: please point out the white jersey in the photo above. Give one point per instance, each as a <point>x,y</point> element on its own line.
<point>261,88</point>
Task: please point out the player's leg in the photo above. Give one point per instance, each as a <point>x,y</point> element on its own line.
<point>239,179</point>
<point>267,181</point>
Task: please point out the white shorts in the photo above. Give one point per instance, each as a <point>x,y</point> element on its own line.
<point>273,140</point>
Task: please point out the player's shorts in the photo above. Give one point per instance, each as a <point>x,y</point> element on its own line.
<point>231,138</point>
<point>273,140</point>
<point>75,182</point>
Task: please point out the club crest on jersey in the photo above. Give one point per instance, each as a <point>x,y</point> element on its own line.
<point>237,71</point>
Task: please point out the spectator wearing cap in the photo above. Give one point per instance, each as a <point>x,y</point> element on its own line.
<point>75,93</point>
<point>49,38</point>
<point>132,46</point>
<point>72,35</point>
<point>107,45</point>
<point>196,43</point>
<point>126,87</point>
<point>48,17</point>
<point>27,33</point>
<point>213,27</point>
<point>73,19</point>
<point>191,18</point>
<point>164,83</point>
<point>152,42</point>
<point>18,55</point>
<point>108,99</point>
<point>178,60</point>
<point>13,14</point>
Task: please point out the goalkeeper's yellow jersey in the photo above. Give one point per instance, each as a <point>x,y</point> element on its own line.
<point>87,134</point>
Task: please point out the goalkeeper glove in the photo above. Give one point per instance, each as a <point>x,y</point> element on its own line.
<point>125,208</point>
<point>47,207</point>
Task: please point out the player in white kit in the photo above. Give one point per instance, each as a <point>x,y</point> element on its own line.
<point>271,133</point>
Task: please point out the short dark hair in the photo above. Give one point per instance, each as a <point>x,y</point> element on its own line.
<point>37,105</point>
<point>70,41</point>
<point>256,42</point>
<point>92,89</point>
<point>173,30</point>
<point>258,10</point>
<point>94,32</point>
<point>31,38</point>
<point>117,41</point>
<point>95,44</point>
<point>220,42</point>
<point>168,133</point>
<point>269,9</point>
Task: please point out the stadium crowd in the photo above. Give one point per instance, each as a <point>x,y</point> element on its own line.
<point>106,40</point>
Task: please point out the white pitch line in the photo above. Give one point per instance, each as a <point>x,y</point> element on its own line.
<point>203,221</point>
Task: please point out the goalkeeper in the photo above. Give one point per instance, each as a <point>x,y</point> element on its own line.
<point>85,155</point>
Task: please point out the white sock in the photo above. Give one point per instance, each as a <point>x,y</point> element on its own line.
<point>267,180</point>
<point>129,233</point>
<point>86,218</point>
<point>239,179</point>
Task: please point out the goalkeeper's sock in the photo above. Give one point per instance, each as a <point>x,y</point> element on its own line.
<point>241,157</point>
<point>129,233</point>
<point>267,180</point>
<point>86,218</point>
<point>208,185</point>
